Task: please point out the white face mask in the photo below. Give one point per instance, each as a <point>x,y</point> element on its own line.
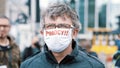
<point>58,40</point>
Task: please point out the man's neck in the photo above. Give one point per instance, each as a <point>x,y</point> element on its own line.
<point>60,56</point>
<point>3,40</point>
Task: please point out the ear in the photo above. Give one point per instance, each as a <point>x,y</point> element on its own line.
<point>75,33</point>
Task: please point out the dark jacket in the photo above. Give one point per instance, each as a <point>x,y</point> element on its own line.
<point>116,59</point>
<point>77,59</point>
<point>29,52</point>
<point>117,64</point>
<point>10,55</point>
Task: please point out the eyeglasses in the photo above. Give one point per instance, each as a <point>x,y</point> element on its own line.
<point>5,26</point>
<point>53,26</point>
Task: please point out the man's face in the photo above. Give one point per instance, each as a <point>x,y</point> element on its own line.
<point>4,27</point>
<point>61,23</point>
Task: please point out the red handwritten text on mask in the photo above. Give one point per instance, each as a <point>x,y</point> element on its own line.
<point>57,32</point>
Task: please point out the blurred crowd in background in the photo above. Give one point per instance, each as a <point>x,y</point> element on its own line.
<point>100,21</point>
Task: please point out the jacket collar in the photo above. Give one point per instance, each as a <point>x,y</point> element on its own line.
<point>12,42</point>
<point>68,59</point>
<point>6,48</point>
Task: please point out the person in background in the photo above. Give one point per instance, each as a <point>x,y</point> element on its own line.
<point>117,42</point>
<point>32,50</point>
<point>86,44</point>
<point>116,56</point>
<point>116,59</point>
<point>9,50</point>
<point>117,64</point>
<point>59,27</point>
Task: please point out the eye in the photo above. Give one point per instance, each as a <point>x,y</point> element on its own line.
<point>5,26</point>
<point>50,26</point>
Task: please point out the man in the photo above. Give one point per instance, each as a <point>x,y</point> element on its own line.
<point>59,27</point>
<point>86,44</point>
<point>116,56</point>
<point>9,51</point>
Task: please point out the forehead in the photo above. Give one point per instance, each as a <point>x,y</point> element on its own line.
<point>4,21</point>
<point>58,20</point>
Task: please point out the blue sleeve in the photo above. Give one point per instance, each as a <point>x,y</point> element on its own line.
<point>23,65</point>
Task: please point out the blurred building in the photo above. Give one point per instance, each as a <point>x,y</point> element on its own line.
<point>115,11</point>
<point>25,18</point>
<point>2,7</point>
<point>36,5</point>
<point>81,13</point>
<point>91,13</point>
<point>102,17</point>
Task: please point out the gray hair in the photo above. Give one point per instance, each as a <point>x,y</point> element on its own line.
<point>60,10</point>
<point>4,17</point>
